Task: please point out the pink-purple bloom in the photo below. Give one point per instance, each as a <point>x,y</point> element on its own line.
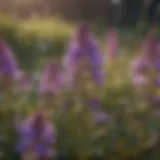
<point>112,40</point>
<point>140,66</point>
<point>140,69</point>
<point>101,118</point>
<point>51,81</point>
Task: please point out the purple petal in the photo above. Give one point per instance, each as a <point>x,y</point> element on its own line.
<point>95,104</point>
<point>101,118</point>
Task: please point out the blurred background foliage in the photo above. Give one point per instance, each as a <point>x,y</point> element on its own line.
<point>37,30</point>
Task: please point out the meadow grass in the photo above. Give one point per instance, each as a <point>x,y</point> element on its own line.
<point>48,28</point>
<point>131,128</point>
<point>126,135</point>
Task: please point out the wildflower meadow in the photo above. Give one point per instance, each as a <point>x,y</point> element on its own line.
<point>131,128</point>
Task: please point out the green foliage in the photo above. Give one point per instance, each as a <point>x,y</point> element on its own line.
<point>33,39</point>
<point>127,135</point>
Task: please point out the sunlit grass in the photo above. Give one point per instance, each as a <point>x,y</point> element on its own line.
<point>48,28</point>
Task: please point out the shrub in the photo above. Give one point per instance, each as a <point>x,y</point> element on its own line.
<point>28,40</point>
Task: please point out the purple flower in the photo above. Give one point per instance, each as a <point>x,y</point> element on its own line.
<point>101,118</point>
<point>91,51</point>
<point>36,135</point>
<point>140,68</point>
<point>25,136</point>
<point>95,104</point>
<point>8,63</point>
<point>21,146</point>
<point>140,65</point>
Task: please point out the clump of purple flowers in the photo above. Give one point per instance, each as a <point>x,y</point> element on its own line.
<point>8,65</point>
<point>83,63</point>
<point>36,136</point>
<point>140,71</point>
<point>84,45</point>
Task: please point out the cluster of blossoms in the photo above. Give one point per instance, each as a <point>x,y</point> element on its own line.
<point>84,62</point>
<point>37,137</point>
<point>83,49</point>
<point>146,67</point>
<point>140,70</point>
